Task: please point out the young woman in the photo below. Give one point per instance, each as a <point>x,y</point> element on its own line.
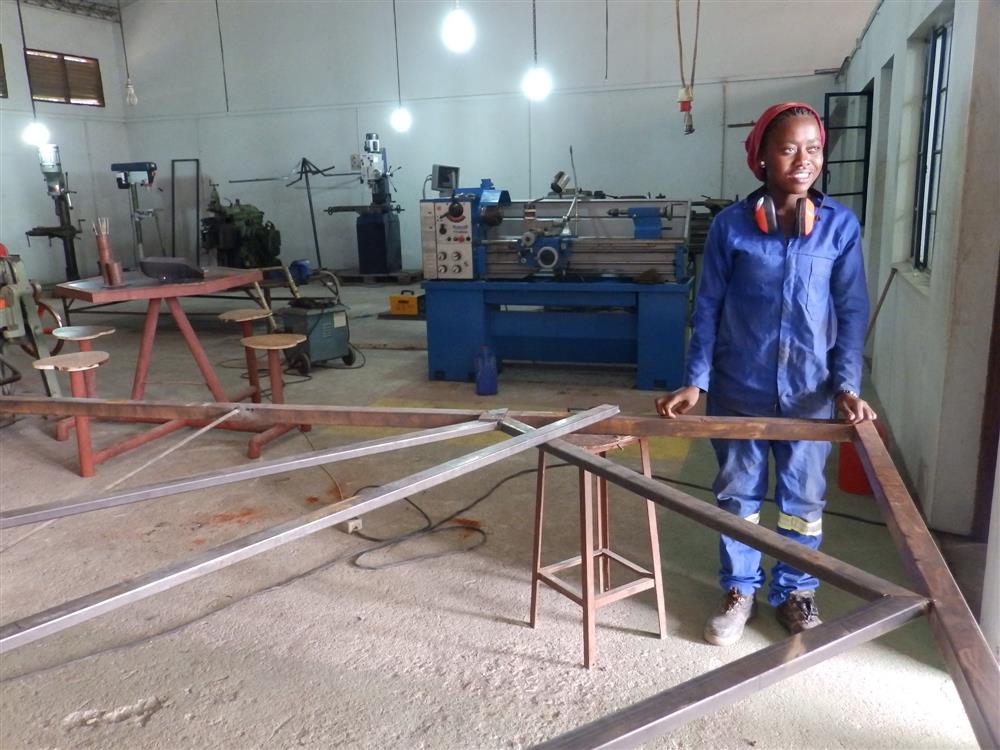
<point>779,326</point>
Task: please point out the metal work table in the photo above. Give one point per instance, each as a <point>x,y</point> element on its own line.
<point>140,287</point>
<point>601,321</point>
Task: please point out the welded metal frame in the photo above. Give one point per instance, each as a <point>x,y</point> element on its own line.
<point>968,657</point>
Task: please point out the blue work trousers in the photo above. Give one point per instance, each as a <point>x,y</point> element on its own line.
<point>741,487</point>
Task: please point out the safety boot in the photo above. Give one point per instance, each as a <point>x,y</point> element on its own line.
<point>726,626</point>
<point>799,612</point>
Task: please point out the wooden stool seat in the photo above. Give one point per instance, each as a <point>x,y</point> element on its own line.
<point>73,362</point>
<point>79,365</point>
<point>599,552</point>
<point>245,314</point>
<point>82,333</point>
<point>83,336</point>
<point>273,341</point>
<point>245,318</point>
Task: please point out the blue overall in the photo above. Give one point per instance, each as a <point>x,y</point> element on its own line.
<point>779,327</point>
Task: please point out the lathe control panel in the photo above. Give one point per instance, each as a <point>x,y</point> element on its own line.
<point>446,239</point>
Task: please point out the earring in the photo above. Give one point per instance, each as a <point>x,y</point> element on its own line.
<point>762,164</point>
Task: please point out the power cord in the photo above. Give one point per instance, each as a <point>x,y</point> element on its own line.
<point>353,556</point>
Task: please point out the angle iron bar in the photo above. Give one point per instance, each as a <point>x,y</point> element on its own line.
<point>264,415</point>
<point>742,678</point>
<point>968,657</point>
<point>843,575</point>
<point>67,614</point>
<point>37,513</point>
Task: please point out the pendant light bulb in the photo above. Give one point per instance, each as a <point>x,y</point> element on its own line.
<point>536,84</point>
<point>458,32</point>
<point>401,119</point>
<point>130,97</point>
<point>35,134</point>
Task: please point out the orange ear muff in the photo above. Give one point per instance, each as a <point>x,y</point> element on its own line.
<point>765,216</point>
<point>805,216</point>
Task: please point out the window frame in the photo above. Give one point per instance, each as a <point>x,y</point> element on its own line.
<point>69,98</point>
<point>4,91</point>
<point>934,105</point>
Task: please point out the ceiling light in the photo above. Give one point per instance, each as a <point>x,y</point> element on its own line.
<point>401,119</point>
<point>35,134</point>
<point>536,84</point>
<point>458,32</point>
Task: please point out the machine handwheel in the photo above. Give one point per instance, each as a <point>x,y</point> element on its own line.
<point>50,320</point>
<point>350,358</point>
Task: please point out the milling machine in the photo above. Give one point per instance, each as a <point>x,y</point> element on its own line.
<point>379,249</point>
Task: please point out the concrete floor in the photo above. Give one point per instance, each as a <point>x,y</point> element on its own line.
<point>299,647</point>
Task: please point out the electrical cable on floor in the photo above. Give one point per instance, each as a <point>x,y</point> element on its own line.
<point>353,555</point>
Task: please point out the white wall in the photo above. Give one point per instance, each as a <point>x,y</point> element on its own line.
<point>89,140</point>
<point>932,339</point>
<point>310,78</point>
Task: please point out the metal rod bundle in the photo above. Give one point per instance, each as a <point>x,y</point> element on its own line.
<point>111,270</point>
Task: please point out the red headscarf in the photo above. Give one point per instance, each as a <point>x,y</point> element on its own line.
<point>756,138</point>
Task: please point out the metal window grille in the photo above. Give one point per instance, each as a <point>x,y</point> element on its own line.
<point>847,118</point>
<point>64,78</point>
<point>3,76</point>
<point>935,99</point>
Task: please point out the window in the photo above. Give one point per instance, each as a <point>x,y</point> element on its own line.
<point>69,79</point>
<point>3,76</point>
<point>929,146</point>
<point>847,118</point>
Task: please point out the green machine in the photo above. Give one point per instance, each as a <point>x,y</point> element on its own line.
<point>239,235</point>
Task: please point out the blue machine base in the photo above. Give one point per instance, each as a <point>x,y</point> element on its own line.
<point>613,322</point>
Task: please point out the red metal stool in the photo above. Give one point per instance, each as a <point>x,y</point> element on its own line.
<point>246,318</point>
<point>83,336</point>
<point>77,364</point>
<point>272,343</point>
<point>602,553</point>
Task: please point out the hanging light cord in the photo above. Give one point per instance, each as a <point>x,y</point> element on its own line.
<point>607,27</point>
<point>395,37</point>
<point>24,51</point>
<point>222,54</point>
<point>680,42</point>
<point>534,31</point>
<point>121,26</point>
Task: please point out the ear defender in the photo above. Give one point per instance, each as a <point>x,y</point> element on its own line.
<point>805,216</point>
<point>766,216</point>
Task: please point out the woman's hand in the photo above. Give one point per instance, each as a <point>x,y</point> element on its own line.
<point>678,402</point>
<point>854,408</point>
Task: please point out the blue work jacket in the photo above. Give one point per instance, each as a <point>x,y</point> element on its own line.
<point>779,322</point>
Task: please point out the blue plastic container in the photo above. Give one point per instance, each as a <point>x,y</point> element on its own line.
<point>486,372</point>
<point>300,270</point>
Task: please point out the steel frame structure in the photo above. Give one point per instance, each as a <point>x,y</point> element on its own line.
<point>968,657</point>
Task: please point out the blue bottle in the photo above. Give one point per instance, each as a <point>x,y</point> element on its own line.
<point>486,372</point>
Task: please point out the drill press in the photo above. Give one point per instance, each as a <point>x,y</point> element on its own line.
<point>58,189</point>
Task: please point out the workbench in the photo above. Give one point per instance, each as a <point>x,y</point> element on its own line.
<point>138,286</point>
<point>599,321</point>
